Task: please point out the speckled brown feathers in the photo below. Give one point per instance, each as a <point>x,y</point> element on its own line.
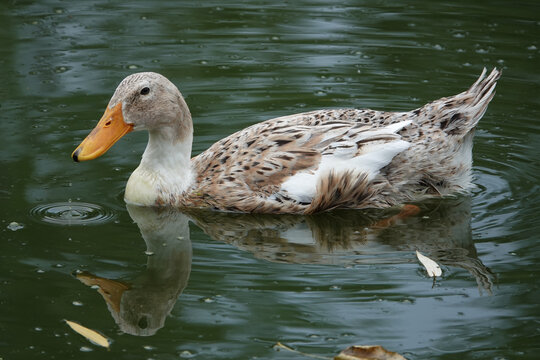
<point>341,190</point>
<point>249,167</point>
<point>459,114</point>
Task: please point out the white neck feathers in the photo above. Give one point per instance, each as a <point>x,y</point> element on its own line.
<point>165,169</point>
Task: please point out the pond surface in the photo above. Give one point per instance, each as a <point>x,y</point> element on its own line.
<point>225,286</point>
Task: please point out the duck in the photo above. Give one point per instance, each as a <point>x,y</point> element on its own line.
<point>296,164</point>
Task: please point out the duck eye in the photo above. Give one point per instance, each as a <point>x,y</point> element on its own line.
<point>145,90</point>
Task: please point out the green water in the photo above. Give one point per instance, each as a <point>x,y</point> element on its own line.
<point>231,286</point>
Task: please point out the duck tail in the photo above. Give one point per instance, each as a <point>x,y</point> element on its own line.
<point>459,114</point>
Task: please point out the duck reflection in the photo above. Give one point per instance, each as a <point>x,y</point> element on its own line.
<point>440,230</point>
<point>140,307</point>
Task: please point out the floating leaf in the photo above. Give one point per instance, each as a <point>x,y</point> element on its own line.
<point>355,352</point>
<point>90,334</point>
<point>368,352</point>
<point>279,346</point>
<point>433,269</point>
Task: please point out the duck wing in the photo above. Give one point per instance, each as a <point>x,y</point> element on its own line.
<point>300,163</point>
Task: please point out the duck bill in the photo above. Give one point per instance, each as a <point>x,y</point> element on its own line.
<point>109,130</point>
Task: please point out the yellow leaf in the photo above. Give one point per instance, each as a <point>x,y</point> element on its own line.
<point>368,352</point>
<point>433,269</point>
<point>90,334</point>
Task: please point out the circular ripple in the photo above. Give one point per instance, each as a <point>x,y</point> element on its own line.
<point>72,213</point>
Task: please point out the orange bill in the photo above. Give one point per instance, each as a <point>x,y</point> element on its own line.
<point>109,130</point>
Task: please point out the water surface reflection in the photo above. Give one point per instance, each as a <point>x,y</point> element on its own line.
<point>140,306</point>
<point>442,230</point>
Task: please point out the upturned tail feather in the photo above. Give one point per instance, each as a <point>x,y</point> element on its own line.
<point>459,114</point>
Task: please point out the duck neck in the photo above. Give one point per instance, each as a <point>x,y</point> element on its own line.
<point>167,155</point>
<point>165,172</point>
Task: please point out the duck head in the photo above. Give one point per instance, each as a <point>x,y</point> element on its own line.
<point>142,101</point>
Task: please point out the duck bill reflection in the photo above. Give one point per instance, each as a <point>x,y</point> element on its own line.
<point>141,306</point>
<point>109,130</point>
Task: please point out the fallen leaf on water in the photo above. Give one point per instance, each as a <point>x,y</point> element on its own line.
<point>368,352</point>
<point>90,334</point>
<point>433,269</point>
<point>355,352</point>
<point>279,345</point>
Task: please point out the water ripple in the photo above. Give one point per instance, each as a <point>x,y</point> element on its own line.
<point>72,213</point>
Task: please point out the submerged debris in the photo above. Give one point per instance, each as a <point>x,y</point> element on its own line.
<point>14,226</point>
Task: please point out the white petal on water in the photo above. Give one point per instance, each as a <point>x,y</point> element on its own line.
<point>432,268</point>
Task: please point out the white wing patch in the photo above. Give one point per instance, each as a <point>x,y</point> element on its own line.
<point>340,157</point>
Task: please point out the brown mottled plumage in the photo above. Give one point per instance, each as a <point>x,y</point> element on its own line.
<point>303,163</point>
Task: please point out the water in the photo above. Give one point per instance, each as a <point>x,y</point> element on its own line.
<point>231,286</point>
<point>72,213</point>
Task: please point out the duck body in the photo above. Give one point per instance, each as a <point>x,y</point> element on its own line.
<point>303,163</point>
